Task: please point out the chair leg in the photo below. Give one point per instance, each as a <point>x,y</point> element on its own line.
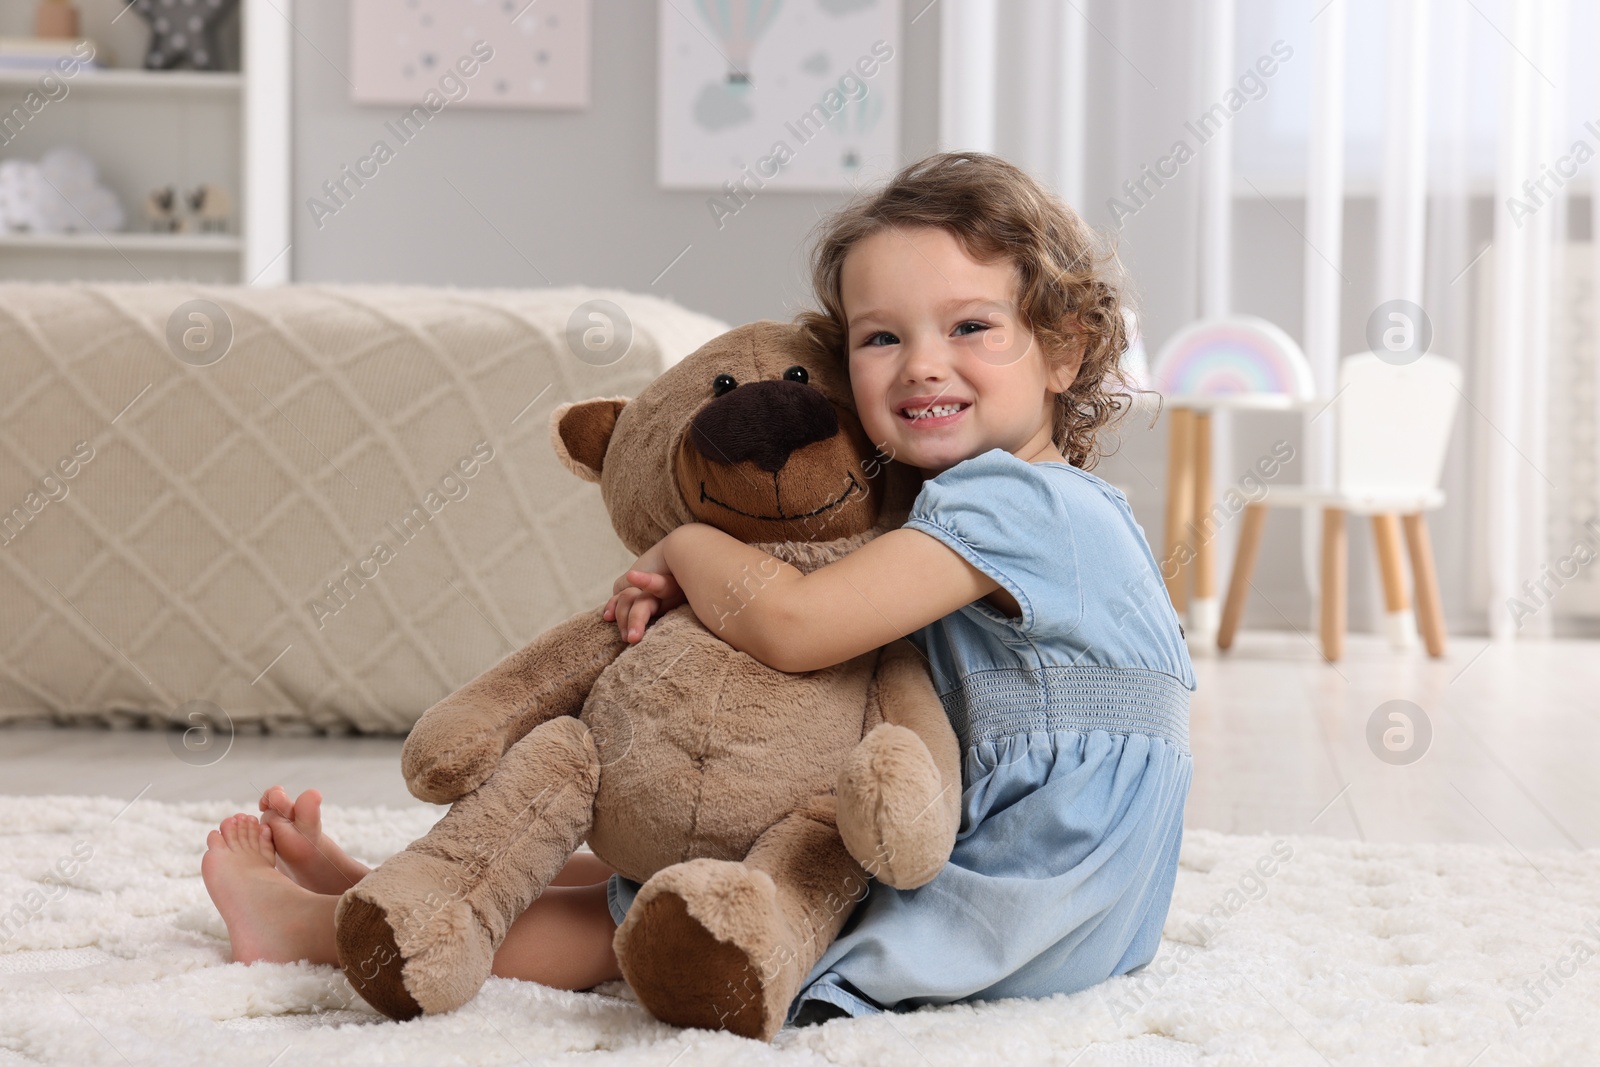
<point>1180,500</point>
<point>1396,601</point>
<point>1244,563</point>
<point>1203,604</point>
<point>1335,556</point>
<point>1430,613</point>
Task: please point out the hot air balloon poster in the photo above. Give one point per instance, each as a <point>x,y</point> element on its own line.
<point>780,94</point>
<point>470,54</point>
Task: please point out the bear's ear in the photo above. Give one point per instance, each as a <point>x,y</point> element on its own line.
<point>580,430</point>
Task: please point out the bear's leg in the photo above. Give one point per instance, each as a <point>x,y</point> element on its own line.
<point>724,946</point>
<point>419,933</point>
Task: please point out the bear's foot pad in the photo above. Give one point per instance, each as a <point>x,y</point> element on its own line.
<point>688,977</point>
<point>371,959</point>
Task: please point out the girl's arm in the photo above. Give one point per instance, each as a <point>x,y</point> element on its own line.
<point>894,584</point>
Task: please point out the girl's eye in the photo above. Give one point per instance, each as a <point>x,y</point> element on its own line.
<point>871,339</point>
<point>964,325</point>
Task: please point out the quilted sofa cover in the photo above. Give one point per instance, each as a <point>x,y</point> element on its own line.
<point>348,515</point>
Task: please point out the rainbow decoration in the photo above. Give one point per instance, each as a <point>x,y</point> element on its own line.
<point>1238,354</point>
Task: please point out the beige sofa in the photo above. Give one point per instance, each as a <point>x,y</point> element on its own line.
<point>350,513</point>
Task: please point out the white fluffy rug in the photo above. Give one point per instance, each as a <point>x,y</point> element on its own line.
<point>1345,954</point>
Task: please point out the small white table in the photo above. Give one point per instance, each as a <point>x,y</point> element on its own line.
<point>1185,553</point>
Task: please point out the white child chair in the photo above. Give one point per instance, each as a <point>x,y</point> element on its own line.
<point>1392,429</point>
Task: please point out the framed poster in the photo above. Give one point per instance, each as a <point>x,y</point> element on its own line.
<point>787,94</point>
<point>511,53</point>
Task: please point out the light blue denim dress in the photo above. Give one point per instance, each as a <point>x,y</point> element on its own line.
<point>1073,722</point>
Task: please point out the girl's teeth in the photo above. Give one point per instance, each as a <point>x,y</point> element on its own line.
<point>936,411</point>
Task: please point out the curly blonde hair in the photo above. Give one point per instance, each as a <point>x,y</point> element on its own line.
<point>1071,288</point>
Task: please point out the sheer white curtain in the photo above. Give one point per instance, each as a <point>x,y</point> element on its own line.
<point>1013,79</point>
<point>1463,132</point>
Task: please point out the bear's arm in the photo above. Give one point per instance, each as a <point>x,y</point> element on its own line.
<point>906,697</point>
<point>457,743</point>
<point>900,789</point>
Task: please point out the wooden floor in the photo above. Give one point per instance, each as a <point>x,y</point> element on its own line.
<point>1280,743</point>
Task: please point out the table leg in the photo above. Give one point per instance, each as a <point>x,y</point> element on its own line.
<point>1203,609</point>
<point>1180,498</point>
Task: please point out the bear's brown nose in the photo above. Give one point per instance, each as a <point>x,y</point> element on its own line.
<point>762,422</point>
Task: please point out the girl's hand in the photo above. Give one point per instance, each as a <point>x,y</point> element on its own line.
<point>646,590</point>
<point>633,608</point>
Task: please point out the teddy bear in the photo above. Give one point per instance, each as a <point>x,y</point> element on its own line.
<point>751,804</point>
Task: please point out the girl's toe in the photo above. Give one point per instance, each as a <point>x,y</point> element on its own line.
<point>308,813</point>
<point>277,799</point>
<point>234,828</point>
<point>261,837</point>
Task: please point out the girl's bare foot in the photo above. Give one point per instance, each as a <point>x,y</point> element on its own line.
<point>307,855</point>
<point>268,916</point>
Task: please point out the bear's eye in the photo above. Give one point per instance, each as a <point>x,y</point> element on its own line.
<point>722,383</point>
<point>797,374</point>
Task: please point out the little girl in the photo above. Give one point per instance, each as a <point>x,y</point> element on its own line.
<point>982,336</point>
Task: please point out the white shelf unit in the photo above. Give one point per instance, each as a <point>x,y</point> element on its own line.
<point>149,129</point>
<point>214,243</point>
<point>123,80</point>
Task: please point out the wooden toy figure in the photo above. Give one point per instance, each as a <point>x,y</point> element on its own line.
<point>56,18</point>
<point>161,208</point>
<point>212,206</point>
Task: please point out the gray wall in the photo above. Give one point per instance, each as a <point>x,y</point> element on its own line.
<point>559,198</point>
<point>554,197</point>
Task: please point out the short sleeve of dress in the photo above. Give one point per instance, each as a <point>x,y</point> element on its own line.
<point>1010,519</point>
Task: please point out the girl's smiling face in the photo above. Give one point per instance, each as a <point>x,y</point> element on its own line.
<point>929,325</point>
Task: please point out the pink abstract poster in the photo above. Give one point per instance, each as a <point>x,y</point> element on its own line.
<point>520,53</point>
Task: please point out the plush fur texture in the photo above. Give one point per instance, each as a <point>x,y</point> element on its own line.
<point>751,803</point>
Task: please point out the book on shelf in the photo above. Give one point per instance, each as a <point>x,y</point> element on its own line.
<point>43,53</point>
